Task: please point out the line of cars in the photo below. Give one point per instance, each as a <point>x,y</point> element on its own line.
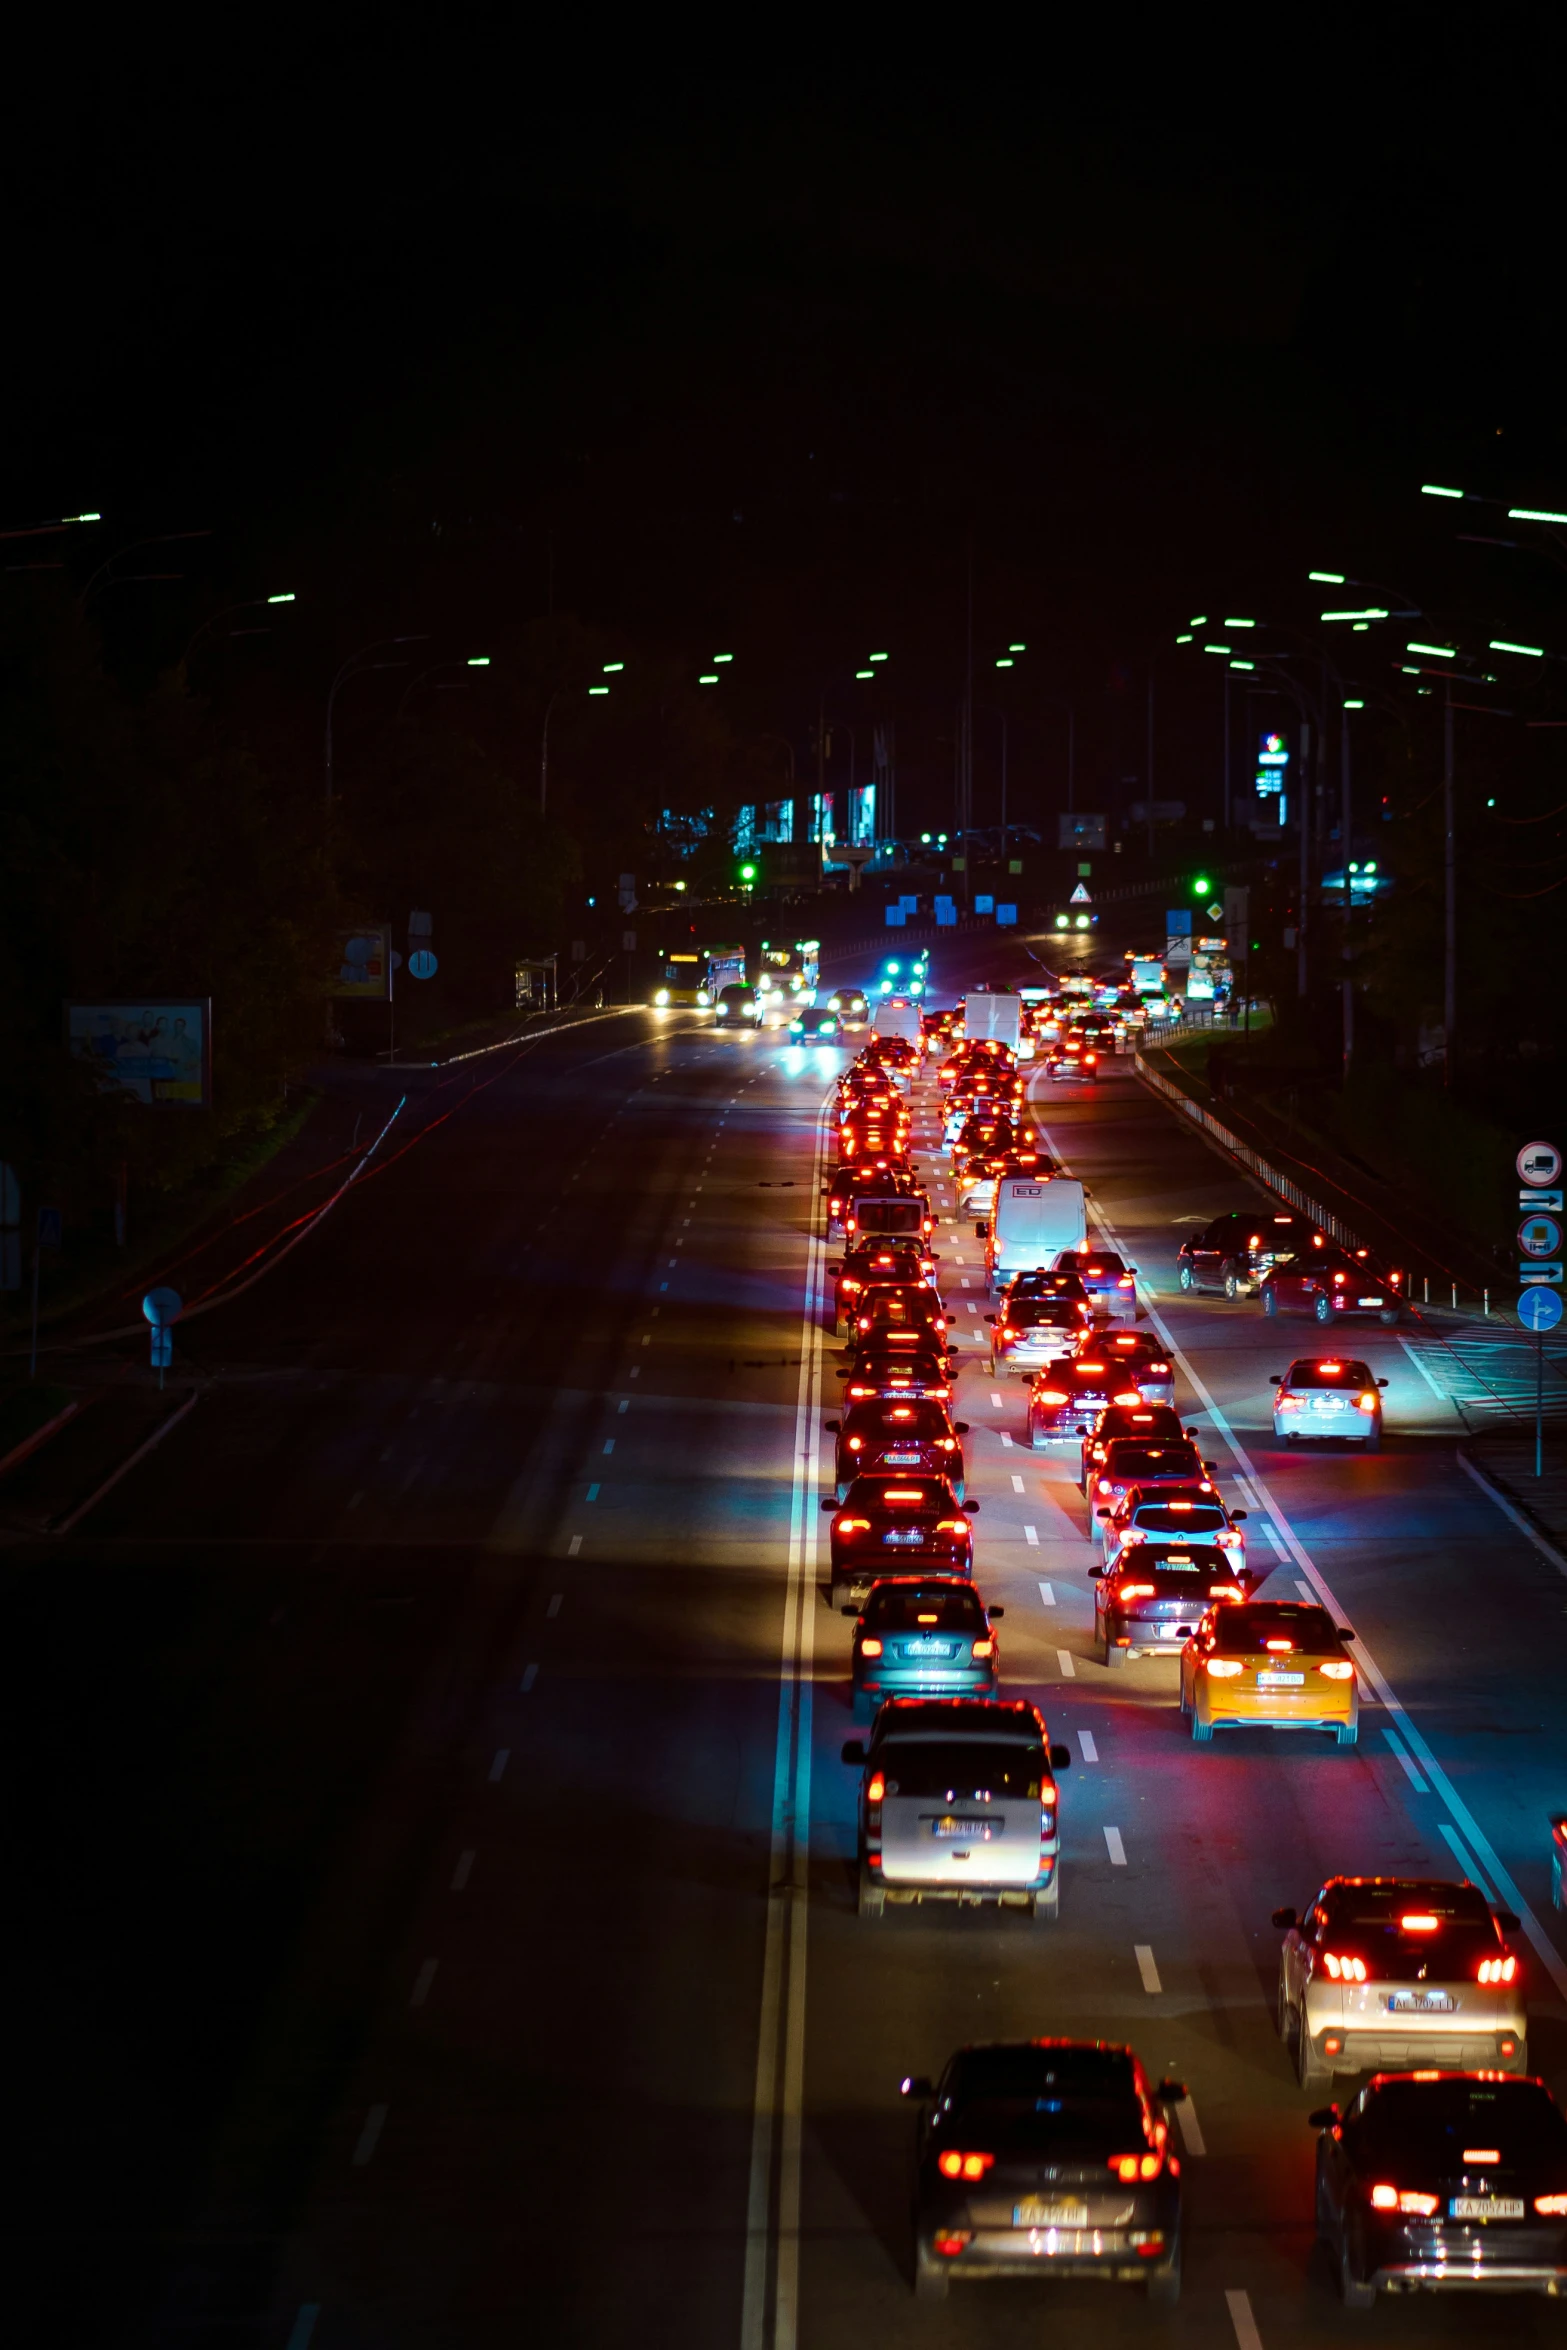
<point>1055,2156</point>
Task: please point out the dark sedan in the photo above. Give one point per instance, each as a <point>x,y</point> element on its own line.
<point>884,1520</point>
<point>877,1438</point>
<point>922,1636</point>
<point>1234,1251</point>
<point>1046,2158</point>
<point>1150,1602</point>
<point>1439,2179</point>
<point>1331,1284</point>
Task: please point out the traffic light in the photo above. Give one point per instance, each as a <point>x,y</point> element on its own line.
<point>1201,886</point>
<point>746,876</point>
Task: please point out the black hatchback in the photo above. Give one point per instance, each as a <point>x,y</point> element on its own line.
<point>1433,2179</point>
<point>1046,2158</point>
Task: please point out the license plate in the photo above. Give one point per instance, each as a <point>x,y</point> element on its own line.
<point>1280,1680</point>
<point>1421,2003</point>
<point>1035,2212</point>
<point>903,1460</point>
<point>1486,2207</point>
<point>930,1648</point>
<point>904,1537</point>
<point>947,1828</point>
<point>1331,1403</point>
<point>1368,1301</point>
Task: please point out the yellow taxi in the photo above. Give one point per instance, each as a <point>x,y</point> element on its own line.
<point>1270,1664</point>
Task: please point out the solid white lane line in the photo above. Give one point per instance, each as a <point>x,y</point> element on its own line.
<point>1471,1867</point>
<point>1547,1550</point>
<point>1191,2130</point>
<point>463,1871</point>
<point>375,2122</point>
<point>1545,1949</point>
<point>1086,1746</point>
<point>554,1606</point>
<point>1066,1664</point>
<point>1426,1376</point>
<point>1420,1786</point>
<point>1031,1537</point>
<point>1143,1953</point>
<point>498,1766</point>
<point>780,2048</point>
<point>1116,1848</point>
<point>1306,1591</point>
<point>422,1981</point>
<point>529,1676</point>
<point>1047,1594</point>
<point>1017,1484</point>
<point>1246,2334</point>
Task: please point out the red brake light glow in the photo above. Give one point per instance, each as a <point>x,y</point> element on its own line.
<point>903,1493</point>
<point>1127,2167</point>
<point>953,2165</point>
<point>1420,1922</point>
<point>870,1646</point>
<point>1343,1970</point>
<point>1496,1970</point>
<point>1223,1668</point>
<point>877,1788</point>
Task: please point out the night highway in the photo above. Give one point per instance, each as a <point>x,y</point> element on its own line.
<point>504,1859</point>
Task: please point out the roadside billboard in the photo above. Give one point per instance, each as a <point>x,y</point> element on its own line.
<point>157,1049</point>
<point>364,965</point>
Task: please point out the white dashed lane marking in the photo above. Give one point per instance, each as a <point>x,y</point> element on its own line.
<point>1116,1848</point>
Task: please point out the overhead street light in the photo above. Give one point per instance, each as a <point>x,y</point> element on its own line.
<point>1431,489</point>
<point>1369,612</point>
<point>1532,514</point>
<point>1240,624</point>
<point>1500,645</point>
<point>1330,578</point>
<point>1441,652</point>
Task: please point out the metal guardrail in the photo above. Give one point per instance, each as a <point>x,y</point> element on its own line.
<point>1264,1169</point>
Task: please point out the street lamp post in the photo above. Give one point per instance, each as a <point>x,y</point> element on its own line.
<point>350,668</point>
<point>250,604</point>
<point>1449,896</point>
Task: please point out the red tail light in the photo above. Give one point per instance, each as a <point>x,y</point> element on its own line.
<point>1130,1395</point>
<point>1551,2206</point>
<point>852,1526</point>
<point>949,2242</point>
<point>953,2165</point>
<point>1343,1970</point>
<point>952,1525</point>
<point>1223,1668</point>
<point>903,1493</point>
<point>1280,1647</point>
<point>1127,2167</point>
<point>1051,1395</point>
<point>1405,2199</point>
<point>870,1647</point>
<point>1339,1670</point>
<point>1124,1281</point>
<point>984,1648</point>
<point>1497,1970</point>
<point>1225,1591</point>
<point>856,1444</point>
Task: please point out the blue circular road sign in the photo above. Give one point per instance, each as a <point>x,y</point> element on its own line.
<point>422,964</point>
<point>162,1306</point>
<point>1540,1309</point>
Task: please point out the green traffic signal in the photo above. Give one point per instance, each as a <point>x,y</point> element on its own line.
<point>1201,886</point>
<point>748,872</point>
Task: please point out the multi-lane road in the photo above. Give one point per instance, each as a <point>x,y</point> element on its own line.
<point>439,1919</point>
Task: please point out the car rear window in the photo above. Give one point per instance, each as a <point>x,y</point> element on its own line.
<point>1332,1373</point>
<point>1246,1630</point>
<point>930,1493</point>
<point>1070,2103</point>
<point>889,1215</point>
<point>1093,1268</point>
<point>1044,1313</point>
<point>940,1607</point>
<point>1185,1517</point>
<point>1186,1567</point>
<point>914,1420</point>
<point>953,1772</point>
<point>1149,1423</point>
<point>1427,2125</point>
<point>1132,1461</point>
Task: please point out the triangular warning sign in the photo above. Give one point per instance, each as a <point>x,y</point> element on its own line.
<point>1080,897</point>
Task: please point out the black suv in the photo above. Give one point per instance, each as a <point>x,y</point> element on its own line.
<point>1236,1249</point>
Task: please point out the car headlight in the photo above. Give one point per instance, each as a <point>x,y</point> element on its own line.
<point>662,996</point>
<point>723,1011</point>
<point>702,996</point>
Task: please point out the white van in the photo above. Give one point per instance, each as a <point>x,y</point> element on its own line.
<point>896,1017</point>
<point>997,1016</point>
<point>1034,1218</point>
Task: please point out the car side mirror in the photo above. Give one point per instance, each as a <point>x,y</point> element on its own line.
<point>1282,1918</point>
<point>833,1427</point>
<point>1195,1240</point>
<point>991,1319</point>
<point>972,1507</point>
<point>1236,1516</point>
<point>1344,1632</point>
<point>1210,1468</point>
<point>1171,2093</point>
<point>1132,1269</point>
<point>995,1614</point>
<point>1506,1919</point>
<point>835,1270</point>
<point>854,1751</point>
<point>826,1188</point>
<point>848,1609</point>
<point>1102,1510</point>
<point>1098,1574</point>
<point>1060,1758</point>
<point>916,2085</point>
<point>1274,1379</point>
<point>1326,2117</point>
<point>960,1427</point>
<point>842,1374</point>
<point>1381,1382</point>
<point>982,1229</point>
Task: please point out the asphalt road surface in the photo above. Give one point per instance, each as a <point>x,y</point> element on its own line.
<point>437,1916</point>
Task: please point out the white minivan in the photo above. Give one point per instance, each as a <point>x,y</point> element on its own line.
<point>1035,1217</point>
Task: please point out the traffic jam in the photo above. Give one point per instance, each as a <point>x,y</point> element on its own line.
<point>1445,2161</point>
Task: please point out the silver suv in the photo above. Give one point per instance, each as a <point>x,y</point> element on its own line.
<point>958,1802</point>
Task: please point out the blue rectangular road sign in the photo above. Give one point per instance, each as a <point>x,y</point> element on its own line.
<point>1539,1272</point>
<point>1006,915</point>
<point>897,916</point>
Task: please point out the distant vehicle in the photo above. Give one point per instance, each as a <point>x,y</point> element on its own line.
<point>1277,1664</point>
<point>684,986</point>
<point>787,976</point>
<point>815,1024</point>
<point>1032,1223</point>
<point>738,1007</point>
<point>1330,1283</point>
<point>851,1007</point>
<point>924,1636</point>
<point>1236,1249</point>
<point>724,964</point>
<point>997,1016</point>
<point>897,1015</point>
<point>1147,975</point>
<point>1334,1397</point>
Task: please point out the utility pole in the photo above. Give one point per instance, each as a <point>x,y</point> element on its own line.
<point>1226,751</point>
<point>1346,826</point>
<point>1148,768</point>
<point>1303,817</point>
<point>1450,898</point>
<point>967,746</point>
